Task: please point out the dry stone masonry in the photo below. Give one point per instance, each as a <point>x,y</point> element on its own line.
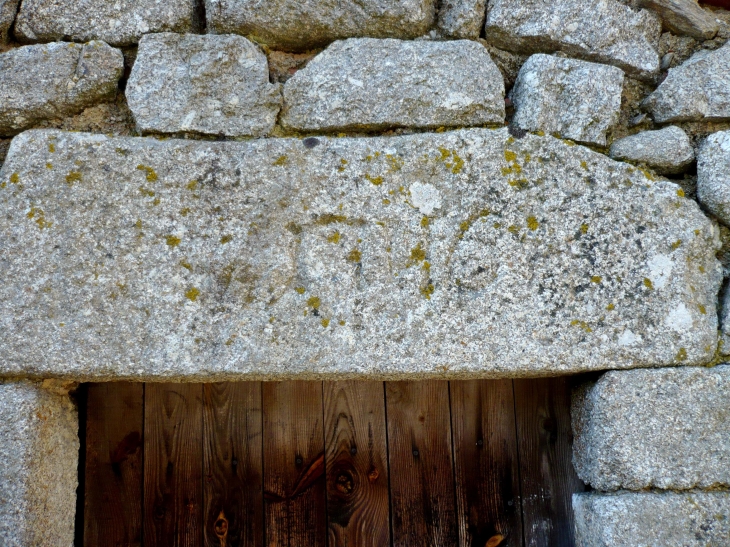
<point>375,189</point>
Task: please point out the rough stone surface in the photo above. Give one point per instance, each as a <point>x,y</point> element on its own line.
<point>696,90</point>
<point>462,18</point>
<point>652,519</point>
<point>576,99</point>
<point>210,84</point>
<point>8,9</point>
<point>458,254</point>
<point>666,150</point>
<point>605,31</point>
<point>119,23</point>
<point>366,83</point>
<point>661,428</point>
<point>684,17</point>
<point>713,175</point>
<point>39,448</point>
<point>299,25</point>
<point>52,80</point>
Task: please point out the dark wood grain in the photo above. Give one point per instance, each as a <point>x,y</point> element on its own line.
<point>548,478</point>
<point>356,462</point>
<point>232,465</point>
<point>486,465</point>
<point>294,466</point>
<point>113,485</point>
<point>421,471</point>
<point>173,444</point>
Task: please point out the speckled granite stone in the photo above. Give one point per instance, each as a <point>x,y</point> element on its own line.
<point>666,150</point>
<point>297,25</point>
<point>456,254</point>
<point>39,448</point>
<point>217,85</point>
<point>370,84</point>
<point>462,18</point>
<point>684,17</point>
<point>8,9</point>
<point>652,519</point>
<point>713,175</point>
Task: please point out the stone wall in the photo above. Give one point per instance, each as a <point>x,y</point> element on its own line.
<point>231,189</point>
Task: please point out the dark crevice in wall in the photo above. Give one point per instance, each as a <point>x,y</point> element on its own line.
<point>200,19</point>
<point>80,397</point>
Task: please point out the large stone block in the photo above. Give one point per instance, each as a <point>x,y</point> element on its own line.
<point>652,519</point>
<point>698,89</point>
<point>455,254</point>
<point>8,9</point>
<point>210,84</point>
<point>666,150</point>
<point>662,428</point>
<point>119,23</point>
<point>365,83</point>
<point>39,450</point>
<point>605,31</point>
<point>576,99</point>
<point>299,25</point>
<point>53,80</point>
<point>713,175</point>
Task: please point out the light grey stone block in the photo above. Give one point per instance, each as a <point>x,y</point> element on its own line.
<point>661,428</point>
<point>576,99</point>
<point>39,450</point>
<point>713,175</point>
<point>462,18</point>
<point>210,84</point>
<point>366,83</point>
<point>8,9</point>
<point>119,23</point>
<point>54,80</point>
<point>652,519</point>
<point>605,31</point>
<point>298,25</point>
<point>698,89</point>
<point>456,254</point>
<point>684,17</point>
<point>666,150</point>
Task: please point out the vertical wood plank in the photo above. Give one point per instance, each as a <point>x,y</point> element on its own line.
<point>294,467</point>
<point>173,455</point>
<point>421,472</point>
<point>356,464</point>
<point>548,478</point>
<point>113,486</point>
<point>232,465</point>
<point>486,464</point>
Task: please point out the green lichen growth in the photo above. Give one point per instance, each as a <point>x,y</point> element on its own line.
<point>497,225</point>
<point>184,211</point>
<point>648,284</point>
<point>281,160</point>
<point>192,294</point>
<point>151,175</point>
<point>532,223</point>
<point>226,239</point>
<point>146,192</point>
<point>334,237</point>
<point>314,302</point>
<point>192,185</point>
<point>681,355</point>
<point>172,241</point>
<point>354,256</point>
<point>294,228</point>
<point>328,218</point>
<point>513,229</point>
<point>73,176</point>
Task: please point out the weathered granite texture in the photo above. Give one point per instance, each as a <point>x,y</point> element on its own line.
<point>661,428</point>
<point>462,18</point>
<point>53,80</point>
<point>699,89</point>
<point>210,84</point>
<point>119,23</point>
<point>713,175</point>
<point>454,254</point>
<point>8,9</point>
<point>605,31</point>
<point>366,83</point>
<point>576,99</point>
<point>299,25</point>
<point>667,150</point>
<point>39,448</point>
<point>652,519</point>
<point>684,17</point>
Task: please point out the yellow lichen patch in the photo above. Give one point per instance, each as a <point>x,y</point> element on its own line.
<point>456,164</point>
<point>532,223</point>
<point>648,284</point>
<point>648,174</point>
<point>681,355</point>
<point>510,140</point>
<point>584,165</point>
<point>424,222</point>
<point>281,160</point>
<point>184,211</point>
<point>596,279</point>
<point>185,264</point>
<point>676,244</point>
<point>73,176</point>
<point>15,178</point>
<point>138,224</point>
<point>300,290</point>
<point>386,201</point>
<point>146,192</point>
<point>394,163</point>
<point>39,216</point>
<point>519,183</point>
<point>680,193</point>
<point>192,185</point>
<point>514,229</point>
<point>172,241</point>
<point>272,319</point>
<point>294,228</point>
<point>377,181</point>
<point>51,147</point>
<point>342,322</point>
<point>325,323</point>
<point>610,307</point>
<point>427,290</point>
<point>497,225</point>
<point>156,202</point>
<point>568,142</point>
<point>151,175</point>
<point>418,253</point>
<point>329,218</point>
<point>701,269</point>
<point>582,324</point>
<point>509,155</point>
<point>226,239</point>
<point>584,228</point>
<point>702,309</point>
<point>354,256</point>
<point>540,133</point>
<point>426,266</point>
<point>192,294</point>
<point>314,302</point>
<point>334,237</point>
<point>49,166</point>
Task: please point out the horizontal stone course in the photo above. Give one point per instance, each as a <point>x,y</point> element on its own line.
<point>47,81</point>
<point>210,84</point>
<point>458,254</point>
<point>652,519</point>
<point>664,428</point>
<point>371,84</point>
